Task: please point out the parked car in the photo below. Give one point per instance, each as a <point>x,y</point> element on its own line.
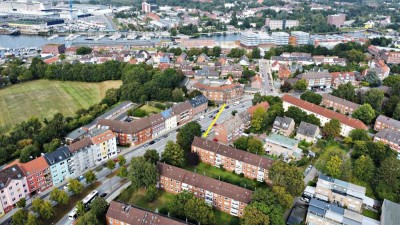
<point>152,142</point>
<point>304,199</point>
<point>103,195</point>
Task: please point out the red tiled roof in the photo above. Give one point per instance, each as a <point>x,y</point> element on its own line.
<point>324,112</point>
<point>103,137</point>
<point>252,109</point>
<point>34,166</point>
<point>51,60</point>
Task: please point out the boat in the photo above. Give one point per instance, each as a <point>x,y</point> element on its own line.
<point>115,37</point>
<point>52,37</point>
<point>9,31</point>
<point>89,38</point>
<point>131,37</point>
<point>101,36</point>
<point>72,37</point>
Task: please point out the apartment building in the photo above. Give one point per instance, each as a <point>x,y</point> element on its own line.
<point>321,79</point>
<point>170,119</point>
<point>120,213</point>
<point>263,105</point>
<point>301,38</point>
<point>389,137</point>
<point>325,115</point>
<point>390,57</point>
<point>307,132</point>
<point>235,70</point>
<point>135,132</point>
<point>13,187</point>
<point>257,82</point>
<point>52,49</point>
<point>199,104</point>
<point>339,78</point>
<point>252,39</point>
<point>390,213</point>
<point>224,93</point>
<point>94,150</point>
<point>339,104</point>
<point>283,125</point>
<point>241,162</point>
<point>146,7</point>
<point>384,122</point>
<point>61,164</point>
<point>222,196</point>
<point>157,123</point>
<point>340,192</point>
<point>38,175</point>
<point>276,144</point>
<point>280,24</point>
<point>183,112</point>
<point>329,60</point>
<point>320,212</point>
<point>233,127</point>
<point>337,19</point>
<point>379,67</point>
<point>280,38</point>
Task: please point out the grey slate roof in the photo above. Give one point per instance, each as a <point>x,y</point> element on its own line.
<point>198,100</point>
<point>307,129</point>
<point>283,122</point>
<point>60,154</point>
<point>389,135</point>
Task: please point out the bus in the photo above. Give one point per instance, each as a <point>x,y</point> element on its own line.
<point>86,202</point>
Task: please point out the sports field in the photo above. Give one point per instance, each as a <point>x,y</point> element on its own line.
<point>44,98</point>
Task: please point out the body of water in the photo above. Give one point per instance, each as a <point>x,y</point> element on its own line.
<point>24,41</point>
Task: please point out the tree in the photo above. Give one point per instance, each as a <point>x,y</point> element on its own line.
<point>121,160</point>
<point>178,95</point>
<point>355,56</point>
<point>122,172</point>
<point>89,219</point>
<point>46,210</point>
<point>83,50</point>
<point>111,164</point>
<point>258,120</point>
<point>198,210</point>
<point>81,209</point>
<point>256,53</point>
<point>286,86</point>
<point>284,175</point>
<point>53,145</point>
<point>59,196</point>
<point>396,112</point>
<point>20,217</point>
<point>241,143</point>
<point>359,135</point>
<point>300,85</point>
<point>21,203</point>
<point>173,32</point>
<point>374,97</point>
<point>90,176</point>
<point>312,97</point>
<point>32,220</point>
<point>194,93</point>
<point>186,135</point>
<point>216,51</point>
<point>332,128</point>
<point>142,173</point>
<point>62,57</point>
<point>173,154</point>
<point>372,78</point>
<point>152,156</point>
<point>99,207</point>
<point>364,113</point>
<point>255,146</point>
<point>253,216</point>
<point>364,168</point>
<point>151,193</point>
<point>333,166</point>
<point>75,186</point>
<point>345,91</point>
<point>37,205</point>
<point>283,197</point>
<point>296,114</point>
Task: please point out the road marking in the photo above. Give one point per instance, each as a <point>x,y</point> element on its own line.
<point>215,119</point>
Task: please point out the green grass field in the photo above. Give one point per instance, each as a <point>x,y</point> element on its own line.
<point>44,98</point>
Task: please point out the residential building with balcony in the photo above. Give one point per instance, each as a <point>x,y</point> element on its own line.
<point>199,104</point>
<point>241,162</point>
<point>61,164</point>
<point>38,175</point>
<point>235,70</point>
<point>384,122</point>
<point>170,119</point>
<point>339,104</point>
<point>120,213</point>
<point>233,127</point>
<point>280,38</point>
<point>283,125</point>
<point>339,78</point>
<point>223,196</point>
<point>183,112</point>
<point>302,38</point>
<point>220,93</point>
<point>157,123</point>
<point>135,132</point>
<point>13,187</point>
<point>276,144</point>
<point>251,39</point>
<point>323,114</point>
<point>321,79</point>
<point>337,19</point>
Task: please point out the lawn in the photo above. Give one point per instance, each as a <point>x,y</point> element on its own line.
<point>44,98</point>
<point>137,198</point>
<point>371,214</point>
<point>150,109</point>
<point>226,176</point>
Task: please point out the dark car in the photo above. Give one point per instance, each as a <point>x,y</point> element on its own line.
<point>103,195</point>
<point>152,142</point>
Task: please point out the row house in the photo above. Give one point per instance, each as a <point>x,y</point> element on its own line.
<point>157,123</point>
<point>234,160</point>
<point>13,187</point>
<point>223,196</point>
<point>183,112</point>
<point>340,192</point>
<point>325,115</point>
<point>384,122</point>
<point>373,50</point>
<point>320,212</point>
<point>321,79</point>
<point>339,104</point>
<point>339,78</point>
<point>94,150</point>
<point>235,70</point>
<point>389,137</point>
<point>232,128</point>
<point>283,125</point>
<point>61,164</point>
<point>206,72</point>
<point>120,213</point>
<point>225,93</point>
<point>329,60</point>
<point>169,119</point>
<point>38,175</point>
<point>281,60</point>
<point>199,104</point>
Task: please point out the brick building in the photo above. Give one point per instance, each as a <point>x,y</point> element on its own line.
<point>342,105</point>
<point>225,93</point>
<point>389,137</point>
<point>222,196</point>
<point>53,49</point>
<point>337,19</point>
<point>38,175</point>
<point>233,127</point>
<point>251,165</point>
<point>384,122</point>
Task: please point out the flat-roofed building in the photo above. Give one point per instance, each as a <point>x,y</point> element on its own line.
<point>276,144</point>
<point>390,213</point>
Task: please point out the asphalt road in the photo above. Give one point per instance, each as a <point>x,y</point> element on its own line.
<point>266,74</point>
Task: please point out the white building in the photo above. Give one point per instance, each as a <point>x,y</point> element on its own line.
<point>13,187</point>
<point>280,38</point>
<point>146,7</point>
<point>302,38</point>
<point>252,39</point>
<point>27,7</point>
